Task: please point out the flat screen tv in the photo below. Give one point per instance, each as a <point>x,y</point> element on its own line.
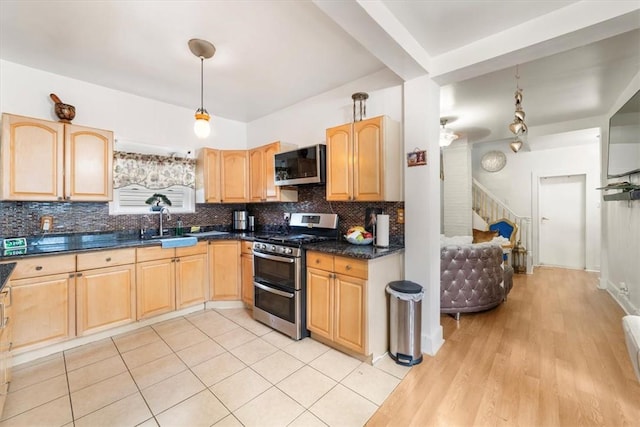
<point>624,139</point>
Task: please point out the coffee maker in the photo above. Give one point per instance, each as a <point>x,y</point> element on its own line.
<point>240,220</point>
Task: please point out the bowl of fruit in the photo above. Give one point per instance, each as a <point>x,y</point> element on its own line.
<point>358,236</point>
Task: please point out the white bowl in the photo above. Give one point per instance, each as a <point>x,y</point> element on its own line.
<point>359,242</point>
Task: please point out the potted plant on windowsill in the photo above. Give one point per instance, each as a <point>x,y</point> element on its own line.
<point>156,200</point>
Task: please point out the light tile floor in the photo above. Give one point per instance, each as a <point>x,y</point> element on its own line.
<point>212,367</point>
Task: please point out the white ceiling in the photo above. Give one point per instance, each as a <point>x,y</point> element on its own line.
<point>575,57</point>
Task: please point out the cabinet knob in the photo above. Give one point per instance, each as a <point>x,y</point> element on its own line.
<point>38,267</point>
<point>348,267</point>
<point>108,259</point>
<point>317,261</point>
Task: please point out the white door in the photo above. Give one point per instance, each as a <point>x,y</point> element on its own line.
<point>562,221</point>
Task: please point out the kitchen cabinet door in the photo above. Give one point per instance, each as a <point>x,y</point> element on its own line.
<point>208,176</point>
<point>350,312</point>
<point>5,344</point>
<point>234,167</point>
<point>224,270</point>
<point>320,302</point>
<point>191,280</point>
<point>155,287</point>
<point>43,310</point>
<point>32,159</point>
<point>105,298</point>
<point>247,279</point>
<point>256,175</point>
<point>368,160</point>
<point>88,164</point>
<point>339,172</point>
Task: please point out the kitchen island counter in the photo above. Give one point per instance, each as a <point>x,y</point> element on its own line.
<point>354,251</point>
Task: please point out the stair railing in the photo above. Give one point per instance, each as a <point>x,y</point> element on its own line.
<point>491,209</point>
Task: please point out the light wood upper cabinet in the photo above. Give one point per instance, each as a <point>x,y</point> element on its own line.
<point>234,169</point>
<point>364,161</point>
<point>88,163</point>
<point>208,176</point>
<point>262,175</point>
<point>46,161</point>
<point>224,270</point>
<point>32,159</point>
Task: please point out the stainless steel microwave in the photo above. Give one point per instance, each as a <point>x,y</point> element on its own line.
<point>304,165</point>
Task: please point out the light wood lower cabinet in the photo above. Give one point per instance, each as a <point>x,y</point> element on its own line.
<point>224,270</point>
<point>191,275</point>
<point>170,278</point>
<point>5,343</point>
<point>246,261</point>
<point>44,310</point>
<point>43,301</point>
<point>335,301</point>
<point>347,305</point>
<point>105,290</point>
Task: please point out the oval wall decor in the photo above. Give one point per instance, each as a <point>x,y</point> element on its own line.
<point>493,161</point>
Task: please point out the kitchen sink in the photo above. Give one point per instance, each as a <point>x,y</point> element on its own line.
<point>178,241</point>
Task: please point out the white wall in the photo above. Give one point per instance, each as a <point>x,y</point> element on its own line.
<point>305,123</point>
<point>25,91</point>
<point>517,182</point>
<point>621,232</point>
<point>457,188</point>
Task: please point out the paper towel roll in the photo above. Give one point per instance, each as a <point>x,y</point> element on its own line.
<point>382,230</point>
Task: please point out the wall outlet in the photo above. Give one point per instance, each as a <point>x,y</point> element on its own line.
<point>623,288</point>
<point>46,223</point>
<point>286,216</point>
<point>400,216</point>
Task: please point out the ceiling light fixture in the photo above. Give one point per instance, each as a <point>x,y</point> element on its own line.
<point>203,50</point>
<point>446,135</point>
<point>518,127</point>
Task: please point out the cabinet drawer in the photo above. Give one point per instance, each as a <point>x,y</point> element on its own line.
<point>154,252</point>
<point>199,248</point>
<point>43,266</point>
<point>246,247</point>
<point>102,259</point>
<point>351,267</point>
<point>320,261</point>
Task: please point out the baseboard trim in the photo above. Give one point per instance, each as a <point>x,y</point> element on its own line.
<point>431,343</point>
<point>622,299</point>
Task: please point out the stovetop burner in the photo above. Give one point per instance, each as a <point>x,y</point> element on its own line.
<point>291,239</point>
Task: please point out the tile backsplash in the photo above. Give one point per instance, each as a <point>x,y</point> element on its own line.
<point>23,218</point>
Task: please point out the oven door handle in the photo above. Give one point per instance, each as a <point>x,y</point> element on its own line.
<point>274,257</point>
<point>273,291</point>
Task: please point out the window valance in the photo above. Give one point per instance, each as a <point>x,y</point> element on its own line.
<point>152,171</point>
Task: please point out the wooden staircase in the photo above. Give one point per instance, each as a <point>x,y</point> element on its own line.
<point>491,209</point>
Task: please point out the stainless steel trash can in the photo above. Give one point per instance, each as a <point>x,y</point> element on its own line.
<point>405,318</point>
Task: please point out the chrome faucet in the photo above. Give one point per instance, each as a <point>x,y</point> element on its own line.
<point>163,210</point>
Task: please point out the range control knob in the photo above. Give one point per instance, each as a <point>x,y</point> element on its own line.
<point>289,251</point>
<point>263,246</point>
<point>273,248</point>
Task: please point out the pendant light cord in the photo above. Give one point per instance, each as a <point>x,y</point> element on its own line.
<point>201,83</point>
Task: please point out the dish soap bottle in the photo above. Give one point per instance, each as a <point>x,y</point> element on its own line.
<point>179,227</point>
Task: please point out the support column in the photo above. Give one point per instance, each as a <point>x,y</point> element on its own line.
<point>422,203</point>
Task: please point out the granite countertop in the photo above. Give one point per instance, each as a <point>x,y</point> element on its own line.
<point>56,244</point>
<point>354,251</point>
<point>5,273</point>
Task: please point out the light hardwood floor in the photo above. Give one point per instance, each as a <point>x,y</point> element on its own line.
<point>552,355</point>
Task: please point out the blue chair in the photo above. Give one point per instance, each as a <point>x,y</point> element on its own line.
<point>508,230</point>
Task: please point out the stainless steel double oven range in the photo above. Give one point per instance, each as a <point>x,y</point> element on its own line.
<point>279,272</point>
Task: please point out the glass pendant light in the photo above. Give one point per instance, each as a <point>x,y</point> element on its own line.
<point>203,50</point>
